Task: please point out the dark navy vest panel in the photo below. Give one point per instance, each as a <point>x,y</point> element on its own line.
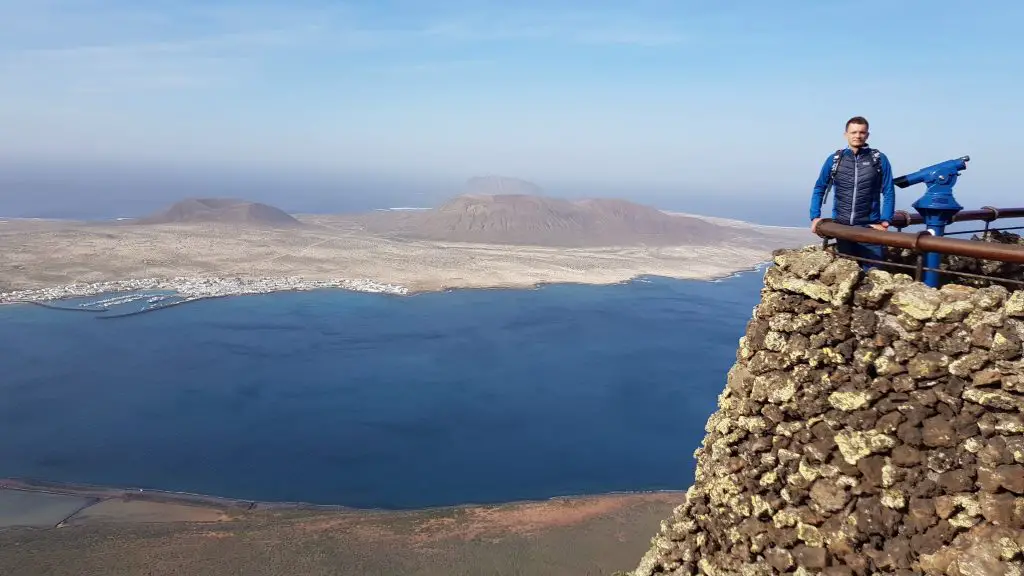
<point>858,187</point>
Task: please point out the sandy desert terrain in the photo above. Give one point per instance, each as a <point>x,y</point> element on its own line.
<point>110,532</point>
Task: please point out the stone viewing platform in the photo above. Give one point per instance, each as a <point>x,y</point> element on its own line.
<point>870,425</point>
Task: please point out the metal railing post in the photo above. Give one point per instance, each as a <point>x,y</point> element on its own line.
<point>923,243</point>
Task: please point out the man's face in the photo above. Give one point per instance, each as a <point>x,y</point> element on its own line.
<point>856,135</point>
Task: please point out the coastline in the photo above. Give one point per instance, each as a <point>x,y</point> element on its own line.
<point>99,493</point>
<point>189,289</point>
<point>201,261</point>
<point>192,289</point>
<point>140,534</point>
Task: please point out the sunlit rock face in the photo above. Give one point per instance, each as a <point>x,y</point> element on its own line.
<point>870,425</point>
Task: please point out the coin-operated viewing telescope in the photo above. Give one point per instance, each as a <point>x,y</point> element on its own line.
<point>937,206</point>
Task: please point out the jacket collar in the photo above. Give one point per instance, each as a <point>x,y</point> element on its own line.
<point>863,150</point>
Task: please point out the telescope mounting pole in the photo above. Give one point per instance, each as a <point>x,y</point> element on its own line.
<point>937,207</point>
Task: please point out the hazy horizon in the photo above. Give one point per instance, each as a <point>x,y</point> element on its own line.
<point>108,192</point>
<point>111,109</point>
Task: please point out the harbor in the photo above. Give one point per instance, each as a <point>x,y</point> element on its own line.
<point>157,294</point>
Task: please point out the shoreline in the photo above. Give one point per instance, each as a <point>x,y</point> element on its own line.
<point>193,289</point>
<point>189,289</point>
<point>139,534</point>
<point>98,493</point>
<point>196,262</point>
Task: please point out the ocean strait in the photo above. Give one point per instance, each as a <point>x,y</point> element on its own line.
<point>375,400</point>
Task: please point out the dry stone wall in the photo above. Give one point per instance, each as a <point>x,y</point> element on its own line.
<point>870,425</point>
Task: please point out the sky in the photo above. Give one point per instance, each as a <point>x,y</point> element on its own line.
<point>730,105</point>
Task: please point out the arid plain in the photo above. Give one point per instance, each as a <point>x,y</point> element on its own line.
<point>381,247</point>
<point>117,533</point>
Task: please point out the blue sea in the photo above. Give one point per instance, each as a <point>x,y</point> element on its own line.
<point>376,401</point>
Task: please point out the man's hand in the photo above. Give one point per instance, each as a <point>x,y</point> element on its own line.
<point>814,225</point>
<point>883,226</point>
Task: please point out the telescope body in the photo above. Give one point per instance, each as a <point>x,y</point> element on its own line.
<point>934,173</point>
<point>937,206</point>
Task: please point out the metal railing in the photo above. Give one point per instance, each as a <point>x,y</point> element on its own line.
<point>922,242</point>
<point>988,214</point>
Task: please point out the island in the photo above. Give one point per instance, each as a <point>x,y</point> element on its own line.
<point>202,248</point>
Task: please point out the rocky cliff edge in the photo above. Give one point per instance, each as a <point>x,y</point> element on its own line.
<point>870,425</point>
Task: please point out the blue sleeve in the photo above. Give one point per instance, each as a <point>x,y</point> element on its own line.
<point>888,192</point>
<point>819,188</point>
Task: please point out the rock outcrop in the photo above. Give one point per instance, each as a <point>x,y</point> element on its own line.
<point>870,425</point>
<point>221,211</point>
<point>532,220</point>
<point>498,185</point>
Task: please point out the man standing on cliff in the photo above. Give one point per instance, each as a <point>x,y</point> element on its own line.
<point>864,193</point>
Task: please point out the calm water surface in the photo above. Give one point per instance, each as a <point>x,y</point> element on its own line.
<point>376,401</point>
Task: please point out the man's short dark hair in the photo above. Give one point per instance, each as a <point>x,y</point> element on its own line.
<point>857,120</point>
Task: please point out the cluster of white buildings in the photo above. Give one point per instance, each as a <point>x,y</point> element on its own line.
<point>197,288</point>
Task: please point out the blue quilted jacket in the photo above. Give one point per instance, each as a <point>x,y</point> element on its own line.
<point>863,192</point>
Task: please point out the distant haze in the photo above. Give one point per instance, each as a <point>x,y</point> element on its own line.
<point>720,107</point>
<point>106,191</point>
<point>500,185</point>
